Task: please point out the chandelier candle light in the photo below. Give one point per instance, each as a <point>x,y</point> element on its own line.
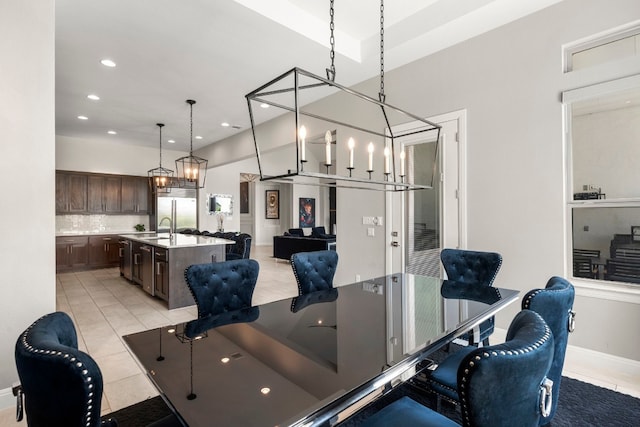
<point>296,112</point>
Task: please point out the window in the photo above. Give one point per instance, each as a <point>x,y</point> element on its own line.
<point>615,45</point>
<point>603,202</point>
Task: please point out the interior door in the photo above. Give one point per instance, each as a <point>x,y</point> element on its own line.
<point>421,222</point>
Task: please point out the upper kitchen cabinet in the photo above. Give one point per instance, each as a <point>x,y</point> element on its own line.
<point>71,193</point>
<point>104,194</point>
<point>135,195</point>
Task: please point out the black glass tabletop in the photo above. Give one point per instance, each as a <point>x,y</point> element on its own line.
<point>300,361</point>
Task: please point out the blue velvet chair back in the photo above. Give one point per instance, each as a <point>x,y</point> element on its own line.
<point>62,385</point>
<point>241,249</point>
<point>314,271</point>
<point>221,287</point>
<point>500,385</point>
<point>555,304</point>
<point>472,267</point>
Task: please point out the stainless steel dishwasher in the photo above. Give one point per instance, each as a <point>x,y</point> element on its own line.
<point>146,269</point>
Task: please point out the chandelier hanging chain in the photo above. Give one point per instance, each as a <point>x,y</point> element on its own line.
<point>381,94</point>
<point>331,72</point>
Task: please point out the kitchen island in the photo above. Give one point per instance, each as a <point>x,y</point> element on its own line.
<point>157,262</point>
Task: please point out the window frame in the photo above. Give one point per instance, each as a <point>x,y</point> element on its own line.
<point>617,291</point>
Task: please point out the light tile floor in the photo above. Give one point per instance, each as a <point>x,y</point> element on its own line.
<point>104,307</point>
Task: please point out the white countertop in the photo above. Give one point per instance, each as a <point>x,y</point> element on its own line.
<point>99,233</point>
<point>178,240</point>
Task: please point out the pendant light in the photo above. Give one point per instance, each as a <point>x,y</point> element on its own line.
<point>160,179</point>
<point>191,170</point>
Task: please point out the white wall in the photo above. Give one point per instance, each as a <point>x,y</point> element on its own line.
<point>75,154</point>
<point>27,107</point>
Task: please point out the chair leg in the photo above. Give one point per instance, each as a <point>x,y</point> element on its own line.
<point>485,342</point>
<point>191,395</point>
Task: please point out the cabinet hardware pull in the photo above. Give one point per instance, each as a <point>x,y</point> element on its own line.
<point>121,252</point>
<point>158,268</point>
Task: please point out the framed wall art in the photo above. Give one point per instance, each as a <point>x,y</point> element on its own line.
<point>307,212</point>
<point>272,203</point>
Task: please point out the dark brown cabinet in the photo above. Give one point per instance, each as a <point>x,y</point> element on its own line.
<point>71,193</point>
<point>104,194</point>
<point>135,195</point>
<point>104,251</point>
<point>71,252</point>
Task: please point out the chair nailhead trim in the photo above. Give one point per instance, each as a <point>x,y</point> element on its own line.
<point>84,372</point>
<point>464,404</point>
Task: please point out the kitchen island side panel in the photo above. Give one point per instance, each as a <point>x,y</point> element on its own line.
<point>179,260</point>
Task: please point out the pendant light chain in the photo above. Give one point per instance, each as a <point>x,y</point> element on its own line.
<point>191,102</point>
<point>331,72</point>
<point>160,125</point>
<point>381,94</point>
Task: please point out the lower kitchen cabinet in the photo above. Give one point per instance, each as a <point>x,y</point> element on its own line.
<point>104,251</point>
<point>72,252</point>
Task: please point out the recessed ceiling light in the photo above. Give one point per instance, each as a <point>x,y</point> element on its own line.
<point>83,117</point>
<point>225,360</point>
<point>198,137</point>
<point>171,141</point>
<point>112,132</point>
<point>225,124</point>
<point>93,97</point>
<point>263,105</point>
<point>265,390</point>
<point>171,330</point>
<point>108,63</point>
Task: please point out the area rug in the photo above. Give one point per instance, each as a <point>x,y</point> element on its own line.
<point>581,405</point>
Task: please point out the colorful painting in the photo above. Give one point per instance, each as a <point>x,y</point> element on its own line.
<point>307,212</point>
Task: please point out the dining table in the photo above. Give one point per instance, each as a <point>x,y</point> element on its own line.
<point>309,360</point>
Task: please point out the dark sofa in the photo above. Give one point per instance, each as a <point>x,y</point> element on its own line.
<point>293,242</point>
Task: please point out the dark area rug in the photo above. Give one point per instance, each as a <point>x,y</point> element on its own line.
<point>581,405</point>
<point>141,414</point>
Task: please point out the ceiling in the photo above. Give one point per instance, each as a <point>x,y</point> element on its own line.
<point>215,52</point>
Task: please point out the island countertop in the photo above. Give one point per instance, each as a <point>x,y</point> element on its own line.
<point>163,240</point>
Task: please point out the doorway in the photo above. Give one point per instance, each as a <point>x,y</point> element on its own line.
<point>421,222</point>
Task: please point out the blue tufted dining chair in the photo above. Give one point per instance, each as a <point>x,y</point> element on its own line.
<point>221,287</point>
<point>62,385</point>
<point>500,385</point>
<point>223,292</point>
<point>314,271</point>
<point>555,304</point>
<point>473,268</point>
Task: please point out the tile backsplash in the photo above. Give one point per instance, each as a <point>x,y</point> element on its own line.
<point>99,223</point>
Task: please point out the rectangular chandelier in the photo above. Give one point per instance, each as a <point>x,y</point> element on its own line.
<point>310,130</point>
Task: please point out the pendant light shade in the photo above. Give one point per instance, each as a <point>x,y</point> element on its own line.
<point>191,170</point>
<point>160,179</point>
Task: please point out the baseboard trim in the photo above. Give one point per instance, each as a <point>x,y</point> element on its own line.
<point>605,370</point>
<point>7,399</point>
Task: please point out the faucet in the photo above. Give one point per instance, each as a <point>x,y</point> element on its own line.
<point>171,225</point>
